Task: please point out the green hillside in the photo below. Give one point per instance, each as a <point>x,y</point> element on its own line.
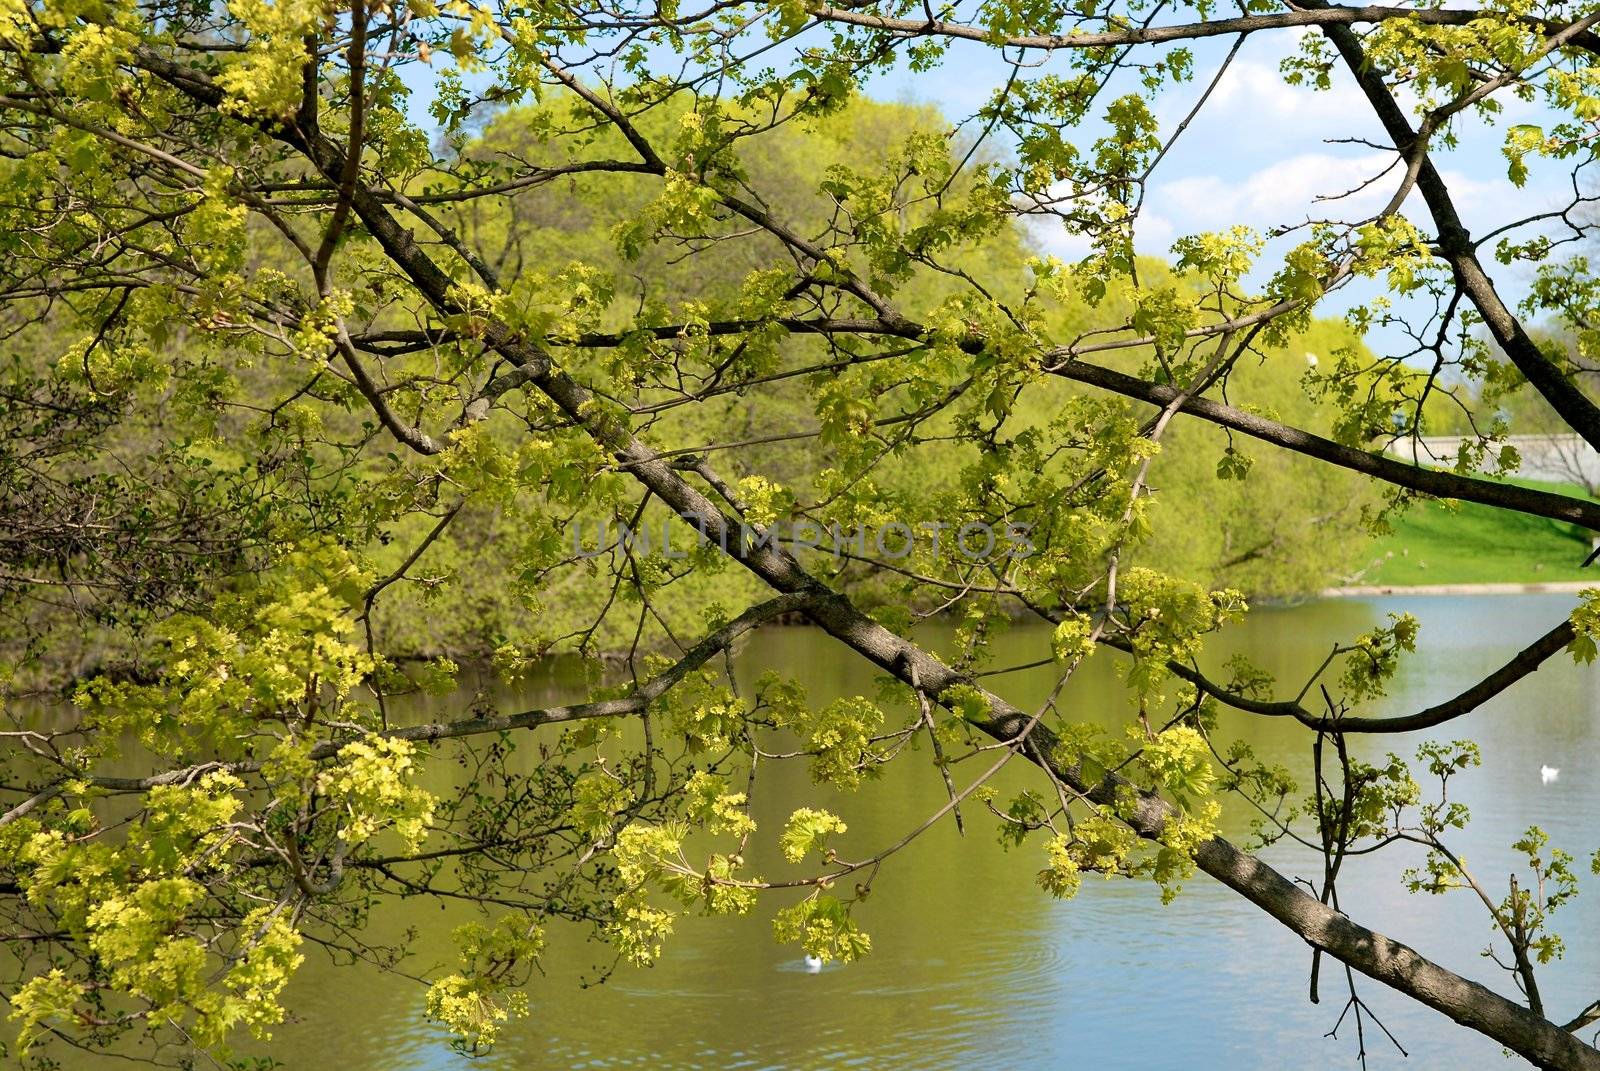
<point>1467,543</point>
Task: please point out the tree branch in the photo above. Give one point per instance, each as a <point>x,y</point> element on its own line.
<point>1152,35</point>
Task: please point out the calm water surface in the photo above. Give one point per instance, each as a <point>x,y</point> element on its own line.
<point>974,967</point>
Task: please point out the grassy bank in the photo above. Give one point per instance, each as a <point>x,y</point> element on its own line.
<point>1466,543</point>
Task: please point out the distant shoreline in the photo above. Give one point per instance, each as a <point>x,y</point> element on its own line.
<point>1558,587</point>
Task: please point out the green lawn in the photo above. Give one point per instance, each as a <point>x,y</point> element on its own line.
<point>1465,543</point>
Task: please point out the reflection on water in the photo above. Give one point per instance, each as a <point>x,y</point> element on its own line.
<point>974,967</point>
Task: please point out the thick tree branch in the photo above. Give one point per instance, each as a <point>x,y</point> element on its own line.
<point>1154,35</point>
<point>1524,663</point>
<point>1390,470</point>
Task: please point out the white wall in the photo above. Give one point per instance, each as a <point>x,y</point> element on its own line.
<point>1556,458</point>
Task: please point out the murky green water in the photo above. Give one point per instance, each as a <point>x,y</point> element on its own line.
<point>974,967</point>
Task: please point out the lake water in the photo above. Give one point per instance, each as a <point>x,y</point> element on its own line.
<point>974,967</point>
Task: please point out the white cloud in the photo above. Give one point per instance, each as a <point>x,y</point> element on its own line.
<point>1283,192</point>
<point>1154,234</point>
<point>1052,239</point>
<point>1316,186</point>
<point>1257,91</point>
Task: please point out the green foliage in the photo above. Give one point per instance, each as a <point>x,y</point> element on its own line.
<point>823,927</point>
<point>598,798</point>
<point>839,739</point>
<point>807,831</point>
<point>1375,657</point>
<point>373,782</point>
<point>310,404</point>
<point>1585,626</point>
<point>708,801</point>
<point>1178,760</point>
<point>475,1001</point>
<point>43,998</point>
<point>1171,617</point>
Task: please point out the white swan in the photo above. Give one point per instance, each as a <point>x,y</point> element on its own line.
<point>1548,774</point>
<point>813,963</point>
